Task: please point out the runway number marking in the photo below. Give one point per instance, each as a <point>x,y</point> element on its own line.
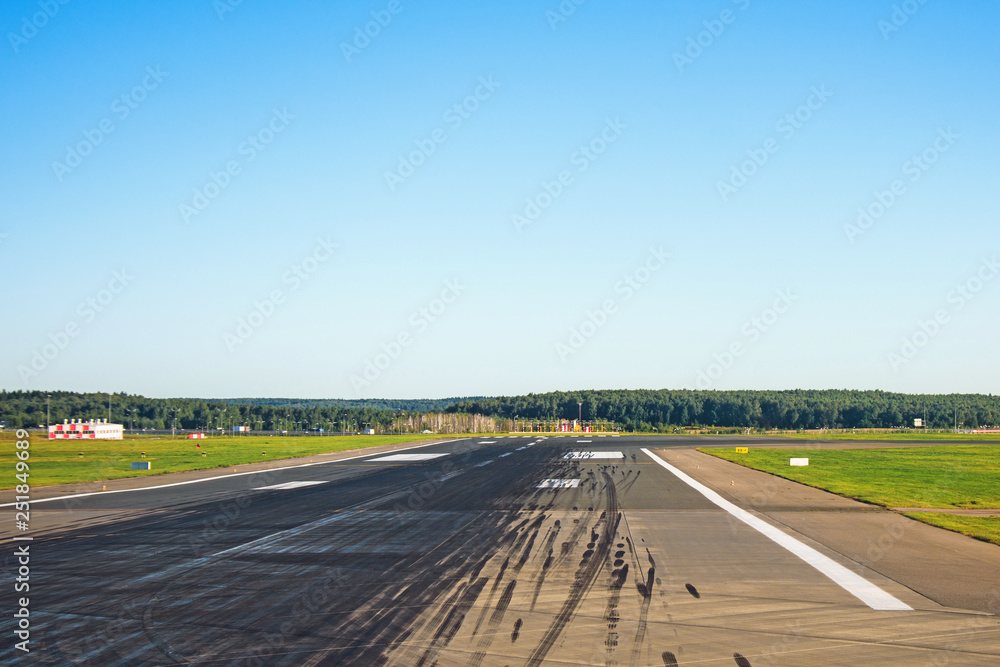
<point>409,457</point>
<point>594,455</point>
<point>287,485</point>
<point>559,484</point>
<point>858,586</point>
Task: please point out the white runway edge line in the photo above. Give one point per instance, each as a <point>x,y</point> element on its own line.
<point>859,587</point>
<point>228,476</point>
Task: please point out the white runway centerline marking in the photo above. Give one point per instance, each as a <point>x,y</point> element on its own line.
<point>409,457</point>
<point>858,586</point>
<point>287,485</point>
<point>559,484</point>
<point>594,455</point>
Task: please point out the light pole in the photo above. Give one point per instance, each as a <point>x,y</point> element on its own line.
<point>48,398</point>
<point>109,406</point>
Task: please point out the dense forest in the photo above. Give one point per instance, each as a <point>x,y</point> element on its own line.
<point>643,410</point>
<point>629,410</point>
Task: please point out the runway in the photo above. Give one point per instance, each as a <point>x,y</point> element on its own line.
<point>570,550</point>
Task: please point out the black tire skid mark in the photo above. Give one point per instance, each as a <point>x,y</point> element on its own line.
<point>511,541</point>
<point>571,541</point>
<point>528,524</point>
<point>505,544</point>
<point>398,612</point>
<point>540,579</point>
<point>585,577</point>
<point>516,632</point>
<point>489,599</point>
<point>519,538</point>
<point>453,621</point>
<point>646,590</point>
<point>375,626</point>
<point>611,615</point>
<point>508,594</point>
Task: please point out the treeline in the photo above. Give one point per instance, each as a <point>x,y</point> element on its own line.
<point>643,410</point>
<point>396,404</point>
<point>629,410</point>
<point>27,409</point>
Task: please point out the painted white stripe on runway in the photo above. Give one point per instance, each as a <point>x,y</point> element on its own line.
<point>287,485</point>
<point>503,455</point>
<point>226,476</point>
<point>559,484</point>
<point>484,463</point>
<point>594,455</point>
<point>858,586</point>
<point>409,457</point>
<point>584,440</point>
<point>488,442</point>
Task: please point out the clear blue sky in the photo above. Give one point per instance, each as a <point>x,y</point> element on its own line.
<point>313,121</point>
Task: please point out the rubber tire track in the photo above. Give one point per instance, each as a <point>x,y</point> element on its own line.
<point>585,577</point>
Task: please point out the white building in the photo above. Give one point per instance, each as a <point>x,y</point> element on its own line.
<point>77,429</point>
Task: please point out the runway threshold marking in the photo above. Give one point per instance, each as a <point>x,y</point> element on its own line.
<point>218,477</point>
<point>858,586</point>
<point>289,485</point>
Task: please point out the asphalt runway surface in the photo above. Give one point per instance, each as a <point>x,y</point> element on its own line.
<point>571,550</point>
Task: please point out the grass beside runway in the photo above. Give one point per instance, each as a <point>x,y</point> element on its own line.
<point>946,477</point>
<point>893,437</point>
<point>69,461</point>
<point>986,528</point>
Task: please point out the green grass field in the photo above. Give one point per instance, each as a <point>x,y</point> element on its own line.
<point>953,476</point>
<point>60,461</point>
<point>917,437</point>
